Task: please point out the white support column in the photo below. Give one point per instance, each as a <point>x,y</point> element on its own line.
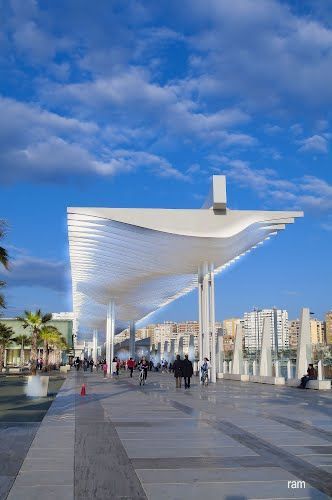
<point>95,346</point>
<point>200,316</point>
<point>110,323</point>
<point>132,335</point>
<point>206,313</point>
<point>212,324</point>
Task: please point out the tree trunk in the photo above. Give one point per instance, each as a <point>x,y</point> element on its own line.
<point>46,355</point>
<point>2,352</point>
<point>34,351</point>
<point>22,354</point>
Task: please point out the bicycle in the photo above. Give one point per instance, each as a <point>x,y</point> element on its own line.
<point>205,378</point>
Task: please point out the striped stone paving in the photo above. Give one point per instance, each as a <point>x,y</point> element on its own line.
<point>230,440</point>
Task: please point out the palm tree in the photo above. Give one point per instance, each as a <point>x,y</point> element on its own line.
<point>34,321</point>
<point>50,336</point>
<point>23,340</point>
<point>6,338</point>
<point>4,262</point>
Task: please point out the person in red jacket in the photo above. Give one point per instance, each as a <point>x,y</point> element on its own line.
<point>131,365</point>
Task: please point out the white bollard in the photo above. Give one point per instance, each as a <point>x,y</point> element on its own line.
<point>289,369</point>
<point>320,370</point>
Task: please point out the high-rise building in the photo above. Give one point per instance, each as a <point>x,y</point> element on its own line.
<point>328,328</point>
<point>294,330</point>
<point>253,328</point>
<point>317,331</point>
<point>229,326</point>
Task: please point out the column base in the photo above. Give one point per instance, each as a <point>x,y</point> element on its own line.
<point>235,376</point>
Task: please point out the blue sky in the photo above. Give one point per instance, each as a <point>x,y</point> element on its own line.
<point>137,103</point>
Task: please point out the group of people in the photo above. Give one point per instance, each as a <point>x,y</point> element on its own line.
<point>183,369</point>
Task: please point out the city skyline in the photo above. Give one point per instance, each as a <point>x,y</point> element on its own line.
<point>141,113</point>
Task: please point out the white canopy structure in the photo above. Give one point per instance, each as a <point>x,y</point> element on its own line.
<point>127,262</point>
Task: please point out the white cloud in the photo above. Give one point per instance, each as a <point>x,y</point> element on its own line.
<point>36,144</point>
<point>303,193</point>
<point>316,143</point>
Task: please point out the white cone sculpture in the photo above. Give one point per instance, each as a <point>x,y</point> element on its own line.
<point>220,354</point>
<point>304,353</point>
<point>237,364</point>
<point>191,350</point>
<point>265,365</point>
<point>172,350</point>
<point>180,348</point>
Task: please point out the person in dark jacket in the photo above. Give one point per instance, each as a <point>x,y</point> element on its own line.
<point>177,369</point>
<point>311,375</point>
<point>187,370</point>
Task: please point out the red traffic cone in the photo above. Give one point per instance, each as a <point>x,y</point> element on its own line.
<point>83,391</point>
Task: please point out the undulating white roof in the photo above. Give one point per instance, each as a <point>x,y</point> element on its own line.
<point>146,258</point>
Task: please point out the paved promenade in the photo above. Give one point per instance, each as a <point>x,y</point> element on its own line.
<point>227,441</point>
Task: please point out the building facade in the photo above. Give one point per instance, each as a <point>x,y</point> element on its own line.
<point>253,328</point>
<point>62,321</point>
<point>328,328</point>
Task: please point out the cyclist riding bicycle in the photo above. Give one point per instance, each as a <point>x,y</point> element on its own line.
<point>144,366</point>
<point>205,371</point>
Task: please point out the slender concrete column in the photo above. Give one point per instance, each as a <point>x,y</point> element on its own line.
<point>110,323</point>
<point>276,369</point>
<point>304,353</point>
<point>200,315</point>
<point>237,365</point>
<point>246,367</point>
<point>132,334</point>
<point>224,367</point>
<point>265,364</point>
<point>159,352</point>
<point>95,346</point>
<point>254,367</point>
<point>320,370</point>
<point>289,369</point>
<point>206,313</point>
<point>212,324</point>
<point>230,367</point>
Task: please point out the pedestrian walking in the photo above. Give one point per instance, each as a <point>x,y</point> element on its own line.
<point>114,366</point>
<point>91,363</point>
<point>177,368</point>
<point>130,365</point>
<point>187,369</point>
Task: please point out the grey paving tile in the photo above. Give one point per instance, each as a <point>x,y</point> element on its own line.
<point>227,491</point>
<point>27,478</point>
<point>134,452</point>
<point>49,492</point>
<point>210,475</point>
